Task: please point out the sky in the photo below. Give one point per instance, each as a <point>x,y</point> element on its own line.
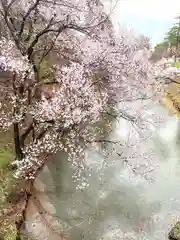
<point>152,18</point>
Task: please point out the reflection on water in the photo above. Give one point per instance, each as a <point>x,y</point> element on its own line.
<point>132,196</point>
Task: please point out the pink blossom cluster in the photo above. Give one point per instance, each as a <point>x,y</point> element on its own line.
<point>11,59</point>
<point>75,99</point>
<point>35,155</point>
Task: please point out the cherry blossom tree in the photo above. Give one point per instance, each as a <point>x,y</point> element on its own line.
<point>66,69</point>
<point>79,97</point>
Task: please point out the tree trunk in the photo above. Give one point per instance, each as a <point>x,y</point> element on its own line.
<point>17,141</point>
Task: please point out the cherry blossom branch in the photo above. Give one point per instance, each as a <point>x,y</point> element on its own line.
<point>64,5</point>
<point>31,127</point>
<point>50,48</point>
<point>45,31</point>
<point>10,4</point>
<point>9,25</point>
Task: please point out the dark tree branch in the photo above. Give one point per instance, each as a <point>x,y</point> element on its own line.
<point>11,28</point>
<point>17,141</point>
<point>10,4</point>
<point>167,80</point>
<point>26,133</point>
<point>101,141</point>
<point>42,133</point>
<point>16,125</point>
<point>171,80</point>
<point>45,53</point>
<point>31,127</point>
<point>106,141</point>
<point>60,29</point>
<point>43,32</point>
<point>33,7</point>
<point>64,5</point>
<point>122,115</point>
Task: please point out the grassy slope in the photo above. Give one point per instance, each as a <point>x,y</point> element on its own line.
<point>7,228</point>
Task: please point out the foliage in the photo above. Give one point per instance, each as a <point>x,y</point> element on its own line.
<point>177,64</point>
<point>171,36</point>
<point>171,40</point>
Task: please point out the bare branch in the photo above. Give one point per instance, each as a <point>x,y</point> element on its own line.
<point>101,141</point>
<point>135,99</point>
<point>169,80</point>
<point>106,141</point>
<point>9,25</point>
<point>122,115</point>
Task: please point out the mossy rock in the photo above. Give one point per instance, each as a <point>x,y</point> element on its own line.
<point>174,234</point>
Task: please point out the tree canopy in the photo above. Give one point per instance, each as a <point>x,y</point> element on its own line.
<point>171,41</point>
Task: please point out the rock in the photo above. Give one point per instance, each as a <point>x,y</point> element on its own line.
<point>174,234</point>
